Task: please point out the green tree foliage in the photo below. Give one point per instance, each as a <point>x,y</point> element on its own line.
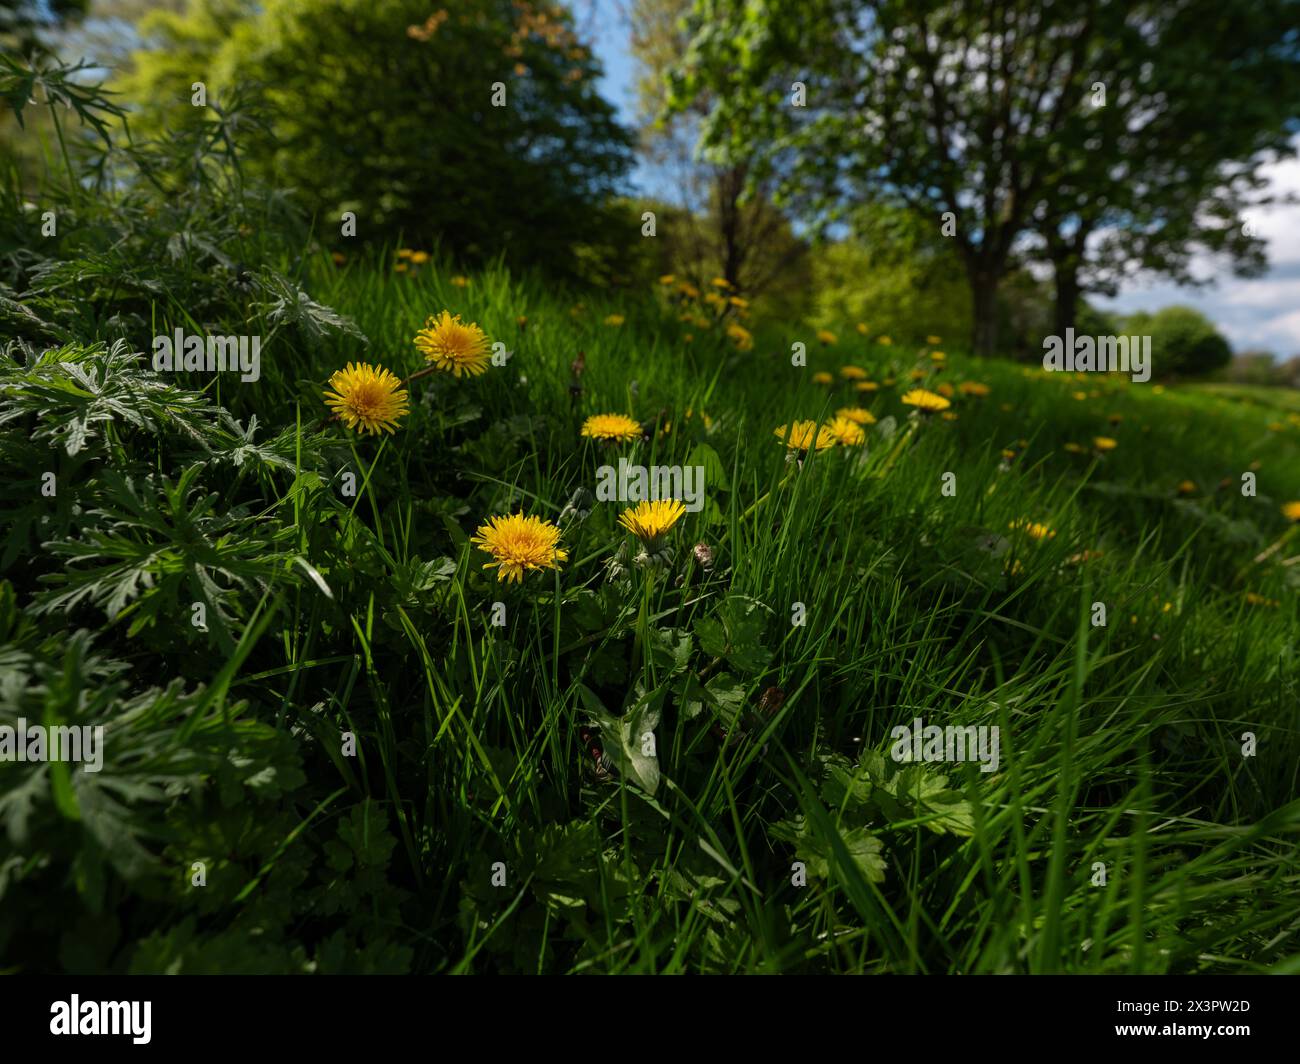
<point>970,113</point>
<point>1188,101</point>
<point>1184,343</point>
<point>854,98</point>
<point>896,276</point>
<point>729,226</point>
<point>385,108</point>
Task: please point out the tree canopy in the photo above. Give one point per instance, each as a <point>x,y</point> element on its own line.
<point>477,126</point>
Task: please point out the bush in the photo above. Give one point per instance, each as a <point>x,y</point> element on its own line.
<point>1184,343</point>
<point>377,108</point>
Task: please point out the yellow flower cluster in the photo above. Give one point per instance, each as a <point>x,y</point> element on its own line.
<point>371,399</point>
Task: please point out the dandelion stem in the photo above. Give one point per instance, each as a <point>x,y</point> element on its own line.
<point>1268,552</point>
<point>767,494</point>
<point>365,486</point>
<point>420,373</point>
<point>896,452</point>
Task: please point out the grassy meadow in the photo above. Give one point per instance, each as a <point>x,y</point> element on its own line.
<point>374,755</point>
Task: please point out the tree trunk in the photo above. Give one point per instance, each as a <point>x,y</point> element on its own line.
<point>1066,272</point>
<point>984,303</point>
<point>731,182</point>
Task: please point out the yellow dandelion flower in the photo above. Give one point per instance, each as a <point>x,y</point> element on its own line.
<point>688,290</point>
<point>932,340</point>
<point>652,519</point>
<point>866,386</point>
<point>618,427</point>
<point>1291,511</point>
<point>847,432</point>
<point>937,356</point>
<point>740,336</point>
<point>889,382</point>
<point>884,340</point>
<point>715,300</point>
<point>460,281</point>
<point>404,253</point>
<point>853,373</point>
<point>400,267</point>
<point>1083,556</point>
<point>804,436</point>
<point>615,319</point>
<point>720,282</point>
<point>948,415</point>
<point>1080,396</point>
<point>739,301</point>
<point>1187,487</point>
<point>1074,448</point>
<point>862,328</point>
<point>973,388</point>
<point>1104,443</point>
<point>452,346</point>
<point>1008,454</point>
<point>667,278</point>
<point>925,401</point>
<point>367,398</point>
<point>519,545</point>
<point>1033,529</point>
<point>918,374</point>
<point>857,414</point>
<point>823,378</point>
<point>946,390</point>
<point>825,337</point>
<point>419,257</point>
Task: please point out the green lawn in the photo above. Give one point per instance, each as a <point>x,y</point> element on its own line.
<point>475,826</point>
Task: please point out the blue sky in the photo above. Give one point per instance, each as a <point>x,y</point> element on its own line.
<point>1262,312</point>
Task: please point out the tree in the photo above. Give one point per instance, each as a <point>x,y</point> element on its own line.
<point>950,107</point>
<point>732,228</point>
<point>1184,342</point>
<point>1191,98</point>
<point>967,111</point>
<point>477,125</point>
